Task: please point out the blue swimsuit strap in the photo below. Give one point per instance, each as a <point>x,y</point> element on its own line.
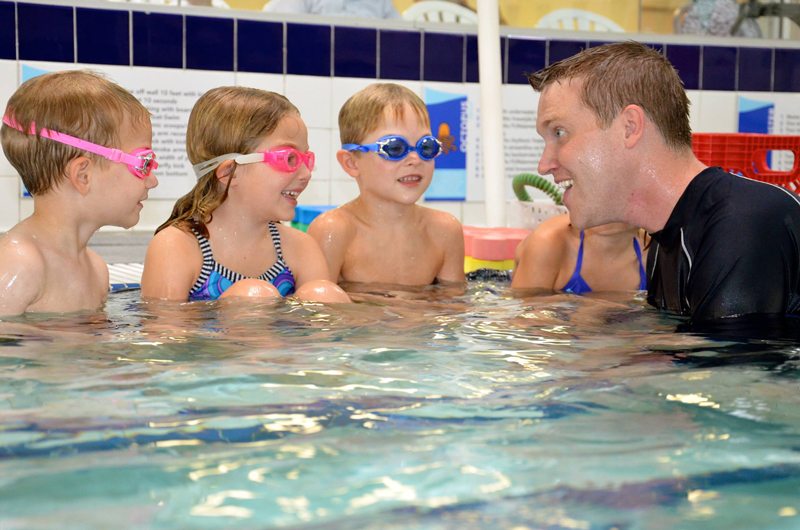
<point>642,274</point>
<point>210,264</point>
<point>576,284</point>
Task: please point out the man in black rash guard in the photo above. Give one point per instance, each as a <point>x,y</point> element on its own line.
<point>615,121</point>
<point>730,248</point>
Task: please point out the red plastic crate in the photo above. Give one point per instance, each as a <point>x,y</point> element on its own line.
<point>746,153</point>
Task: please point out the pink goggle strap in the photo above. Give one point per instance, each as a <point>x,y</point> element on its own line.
<point>115,155</point>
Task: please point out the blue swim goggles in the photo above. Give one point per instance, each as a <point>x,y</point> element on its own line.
<point>396,148</point>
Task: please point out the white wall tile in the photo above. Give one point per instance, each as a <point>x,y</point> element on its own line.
<point>343,88</point>
<point>319,141</point>
<point>8,84</point>
<point>318,192</point>
<point>312,95</point>
<point>336,168</point>
<point>155,212</point>
<point>718,112</point>
<point>474,214</point>
<point>9,202</point>
<point>271,82</point>
<point>343,191</point>
<point>694,109</point>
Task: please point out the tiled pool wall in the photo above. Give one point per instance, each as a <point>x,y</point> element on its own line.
<point>319,62</point>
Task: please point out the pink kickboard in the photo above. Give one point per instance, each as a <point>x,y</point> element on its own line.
<point>492,244</point>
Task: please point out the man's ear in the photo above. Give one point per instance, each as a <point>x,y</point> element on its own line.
<point>633,121</point>
<point>349,162</point>
<point>225,171</point>
<point>78,173</point>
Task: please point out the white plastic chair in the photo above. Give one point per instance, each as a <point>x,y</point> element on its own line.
<point>577,19</point>
<point>440,11</point>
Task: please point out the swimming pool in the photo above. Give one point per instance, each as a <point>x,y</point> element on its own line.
<point>480,411</point>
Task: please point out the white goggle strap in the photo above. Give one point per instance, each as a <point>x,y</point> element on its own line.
<point>204,168</point>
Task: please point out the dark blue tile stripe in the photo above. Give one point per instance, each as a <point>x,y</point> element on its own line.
<point>8,31</point>
<point>443,57</point>
<point>259,46</point>
<point>103,36</point>
<point>755,69</point>
<point>308,49</point>
<point>157,40</point>
<point>786,73</point>
<point>719,68</point>
<point>355,52</point>
<point>686,60</point>
<point>209,43</point>
<point>525,56</point>
<point>47,33</point>
<point>400,55</point>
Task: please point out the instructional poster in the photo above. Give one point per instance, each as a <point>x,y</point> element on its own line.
<point>775,114</point>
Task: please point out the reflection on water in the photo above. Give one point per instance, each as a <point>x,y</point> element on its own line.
<point>405,410</point>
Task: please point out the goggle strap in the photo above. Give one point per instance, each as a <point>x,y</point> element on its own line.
<point>252,158</point>
<point>114,155</point>
<point>204,168</point>
<point>357,147</point>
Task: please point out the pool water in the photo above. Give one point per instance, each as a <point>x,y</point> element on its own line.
<point>405,410</point>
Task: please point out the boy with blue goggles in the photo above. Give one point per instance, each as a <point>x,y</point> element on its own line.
<point>383,236</point>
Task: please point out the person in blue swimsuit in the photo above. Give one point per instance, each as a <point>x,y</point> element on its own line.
<point>558,257</point>
<point>249,150</point>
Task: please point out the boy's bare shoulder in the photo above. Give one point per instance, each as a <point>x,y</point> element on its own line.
<point>21,260</point>
<point>340,221</point>
<point>21,248</point>
<point>439,221</point>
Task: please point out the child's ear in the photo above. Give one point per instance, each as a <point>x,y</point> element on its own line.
<point>225,170</point>
<point>78,172</point>
<point>349,162</point>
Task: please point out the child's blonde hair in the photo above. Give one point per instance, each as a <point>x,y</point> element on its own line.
<point>364,111</point>
<point>76,102</point>
<point>224,120</point>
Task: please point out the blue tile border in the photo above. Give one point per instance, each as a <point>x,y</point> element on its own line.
<point>157,40</point>
<point>443,57</point>
<point>471,67</point>
<point>355,52</point>
<point>260,46</point>
<point>562,49</point>
<point>308,49</point>
<point>719,68</point>
<point>400,55</point>
<point>525,56</point>
<point>786,73</point>
<point>8,31</point>
<point>46,33</point>
<point>754,72</point>
<point>103,36</point>
<point>209,43</point>
<point>686,60</point>
<point>93,35</point>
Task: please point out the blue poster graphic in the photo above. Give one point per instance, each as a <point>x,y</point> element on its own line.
<point>755,116</point>
<point>448,113</point>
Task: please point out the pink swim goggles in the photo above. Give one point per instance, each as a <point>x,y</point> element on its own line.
<point>284,159</point>
<point>141,162</point>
